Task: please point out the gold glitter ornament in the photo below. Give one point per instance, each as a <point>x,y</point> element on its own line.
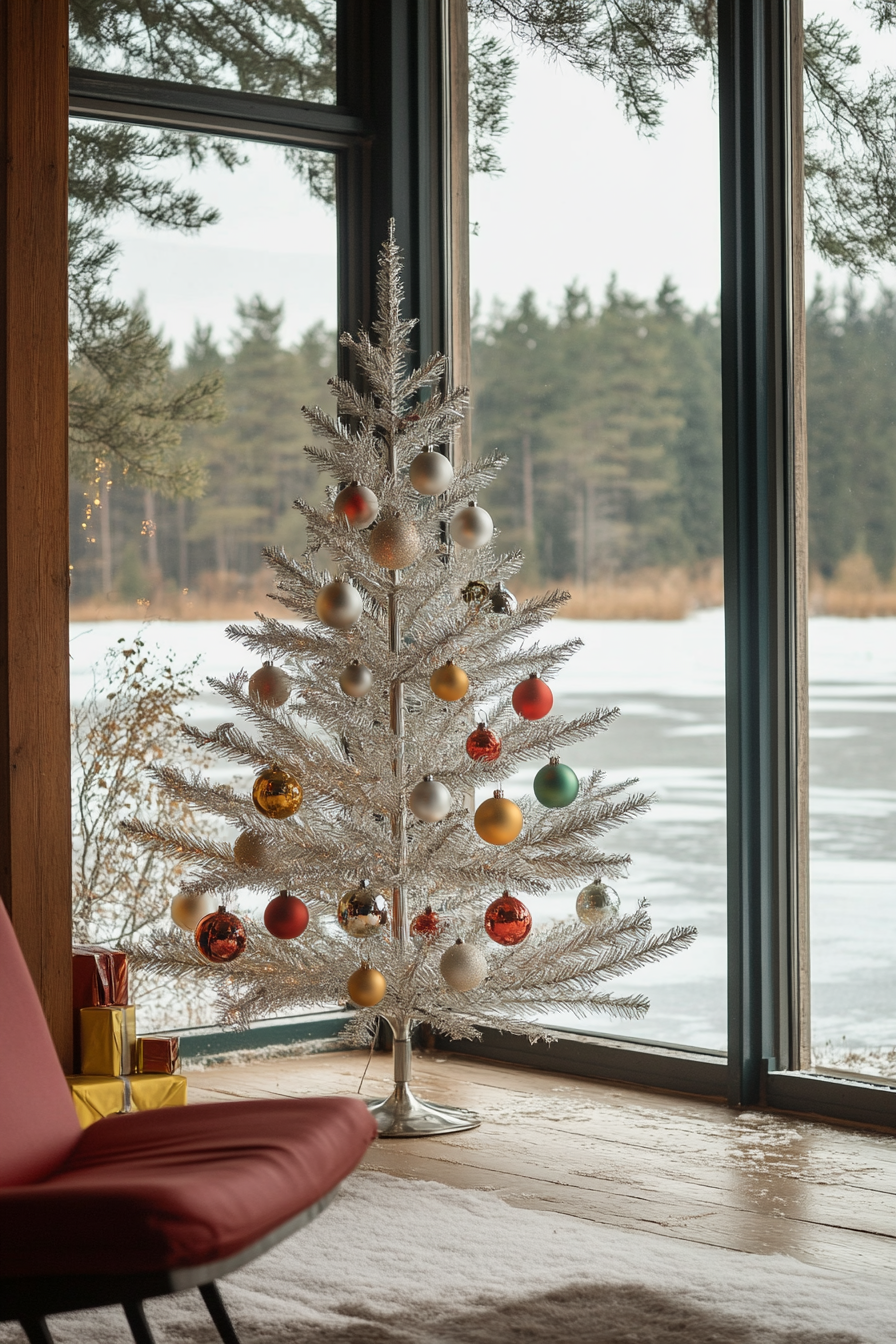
<point>249,850</point>
<point>394,542</point>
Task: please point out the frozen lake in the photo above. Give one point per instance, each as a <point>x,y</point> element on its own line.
<point>668,680</point>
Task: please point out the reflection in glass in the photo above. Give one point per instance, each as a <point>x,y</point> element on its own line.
<point>284,48</point>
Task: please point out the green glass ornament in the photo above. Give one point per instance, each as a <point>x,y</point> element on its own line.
<point>556,785</point>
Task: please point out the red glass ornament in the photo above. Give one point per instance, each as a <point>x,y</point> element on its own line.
<point>427,924</point>
<point>483,744</point>
<point>533,698</point>
<point>507,921</point>
<point>220,936</point>
<point>357,505</point>
<point>286,916</point>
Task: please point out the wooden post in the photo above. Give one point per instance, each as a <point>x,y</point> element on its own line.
<point>35,769</point>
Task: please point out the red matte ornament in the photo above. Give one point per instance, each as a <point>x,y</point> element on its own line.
<point>286,916</point>
<point>220,936</point>
<point>427,924</point>
<point>533,698</point>
<point>507,921</point>
<point>483,744</point>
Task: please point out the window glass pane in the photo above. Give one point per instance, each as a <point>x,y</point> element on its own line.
<point>284,48</point>
<point>595,279</point>
<point>203,284</point>
<point>851,357</point>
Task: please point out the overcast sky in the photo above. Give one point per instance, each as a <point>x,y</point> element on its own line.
<point>582,196</point>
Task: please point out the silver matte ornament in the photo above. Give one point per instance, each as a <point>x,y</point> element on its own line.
<point>429,800</point>
<point>356,680</point>
<point>597,902</point>
<point>363,912</point>
<point>472,527</point>
<point>188,908</point>
<point>338,604</point>
<point>394,542</point>
<point>431,473</point>
<point>270,686</point>
<point>463,966</point>
<point>356,505</point>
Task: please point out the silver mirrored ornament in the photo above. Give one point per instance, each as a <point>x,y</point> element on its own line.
<point>362,912</point>
<point>597,902</point>
<point>501,601</point>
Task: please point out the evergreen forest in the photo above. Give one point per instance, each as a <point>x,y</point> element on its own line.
<point>610,412</point>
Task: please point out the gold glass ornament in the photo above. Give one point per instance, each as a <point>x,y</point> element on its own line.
<point>338,604</point>
<point>249,850</point>
<point>270,685</point>
<point>431,473</point>
<point>361,912</point>
<point>276,794</point>
<point>449,682</point>
<point>366,987</point>
<point>188,908</point>
<point>498,819</point>
<point>463,966</point>
<point>394,542</point>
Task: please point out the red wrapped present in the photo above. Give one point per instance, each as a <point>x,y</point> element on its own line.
<point>99,980</point>
<point>158,1054</point>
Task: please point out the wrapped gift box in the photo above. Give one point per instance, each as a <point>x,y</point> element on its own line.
<point>99,980</point>
<point>108,1040</point>
<point>96,1096</point>
<point>158,1054</point>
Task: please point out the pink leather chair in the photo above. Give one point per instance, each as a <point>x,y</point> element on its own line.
<point>142,1205</point>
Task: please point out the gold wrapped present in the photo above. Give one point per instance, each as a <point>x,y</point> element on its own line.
<point>108,1040</point>
<point>98,1096</point>
<point>158,1054</point>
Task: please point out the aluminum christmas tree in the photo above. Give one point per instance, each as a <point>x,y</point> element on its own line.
<point>365,742</point>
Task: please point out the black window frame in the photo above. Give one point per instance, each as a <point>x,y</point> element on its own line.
<point>398,87</point>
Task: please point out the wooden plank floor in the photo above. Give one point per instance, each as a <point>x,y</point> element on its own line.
<point>674,1166</point>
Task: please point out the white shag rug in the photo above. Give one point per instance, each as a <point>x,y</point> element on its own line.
<point>412,1262</point>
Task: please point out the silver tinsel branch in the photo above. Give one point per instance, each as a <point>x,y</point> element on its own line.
<point>356,769</point>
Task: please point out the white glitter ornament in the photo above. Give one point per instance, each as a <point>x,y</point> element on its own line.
<point>463,966</point>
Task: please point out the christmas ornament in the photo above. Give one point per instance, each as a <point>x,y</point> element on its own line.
<point>556,785</point>
<point>449,682</point>
<point>533,698</point>
<point>498,820</point>
<point>366,987</point>
<point>270,685</point>
<point>501,601</point>
<point>431,473</point>
<point>463,966</point>
<point>471,527</point>
<point>276,794</point>
<point>220,936</point>
<point>356,679</point>
<point>249,850</point>
<point>597,902</point>
<point>338,604</point>
<point>362,912</point>
<point>429,800</point>
<point>188,908</point>
<point>483,744</point>
<point>475,593</point>
<point>286,916</point>
<point>356,505</point>
<point>426,925</point>
<point>507,921</point>
<point>394,542</point>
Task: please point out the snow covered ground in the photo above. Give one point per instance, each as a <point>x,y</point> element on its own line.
<point>668,680</point>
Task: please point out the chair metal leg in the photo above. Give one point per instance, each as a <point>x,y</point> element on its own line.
<point>138,1322</point>
<point>211,1296</point>
<point>36,1329</point>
